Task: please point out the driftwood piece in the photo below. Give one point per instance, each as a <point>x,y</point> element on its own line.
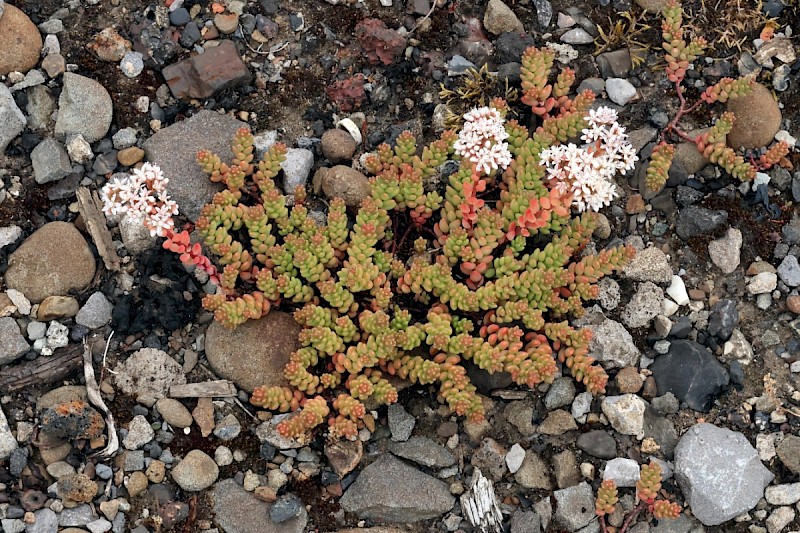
<point>480,507</point>
<point>95,221</point>
<point>43,370</point>
<point>207,389</point>
<point>93,392</point>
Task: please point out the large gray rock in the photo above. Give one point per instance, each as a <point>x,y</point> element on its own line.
<point>12,344</point>
<point>719,473</point>
<point>613,345</point>
<point>175,148</point>
<point>12,121</point>
<point>53,261</point>
<point>256,352</point>
<point>238,511</point>
<point>389,490</point>
<point>84,107</point>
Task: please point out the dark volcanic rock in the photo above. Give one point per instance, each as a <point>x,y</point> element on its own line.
<point>598,443</point>
<point>724,318</point>
<point>691,373</point>
<point>694,221</point>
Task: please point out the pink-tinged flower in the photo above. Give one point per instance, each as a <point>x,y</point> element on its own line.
<point>588,172</point>
<point>142,196</point>
<point>482,140</point>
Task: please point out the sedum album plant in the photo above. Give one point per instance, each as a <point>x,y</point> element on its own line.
<point>647,492</point>
<point>679,54</point>
<point>414,284</point>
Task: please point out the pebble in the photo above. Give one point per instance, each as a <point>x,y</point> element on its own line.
<point>132,64</point>
<point>223,456</point>
<point>401,423</point>
<point>136,484</point>
<point>139,433</point>
<point>197,471</point>
<point>574,506</point>
<point>109,45</point>
<point>762,283</point>
<point>789,271</point>
<point>128,157</point>
<point>344,182</point>
<point>96,312</point>
<point>338,145</point>
<point>296,168</point>
<point>785,494</point>
<point>52,261</point>
<point>577,36</point>
<point>54,64</point>
<point>620,91</point>
<point>228,428</point>
<point>499,18</point>
<point>285,508</point>
<point>645,304</point>
<point>514,458</point>
<point>226,23</point>
<point>78,149</point>
<point>12,343</point>
<point>50,161</point>
<point>724,252</point>
<point>624,472</point>
<point>174,413</point>
<point>625,413</point>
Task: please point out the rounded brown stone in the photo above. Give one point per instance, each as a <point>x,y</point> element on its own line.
<point>53,261</point>
<point>20,41</point>
<point>128,157</point>
<point>758,119</point>
<point>338,145</point>
<point>793,304</point>
<point>629,380</point>
<point>346,183</point>
<point>55,307</point>
<point>256,352</point>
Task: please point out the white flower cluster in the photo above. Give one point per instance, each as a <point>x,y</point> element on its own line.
<point>143,196</point>
<point>482,140</point>
<point>587,172</point>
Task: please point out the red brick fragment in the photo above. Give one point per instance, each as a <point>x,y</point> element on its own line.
<point>203,75</point>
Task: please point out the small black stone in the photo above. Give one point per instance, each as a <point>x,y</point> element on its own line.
<point>179,17</point>
<point>190,35</point>
<point>724,318</point>
<point>285,508</point>
<point>267,451</point>
<point>598,443</point>
<point>691,373</point>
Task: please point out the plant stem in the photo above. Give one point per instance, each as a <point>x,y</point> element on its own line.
<point>631,517</point>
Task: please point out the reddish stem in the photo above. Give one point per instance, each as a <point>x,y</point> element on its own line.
<point>631,517</point>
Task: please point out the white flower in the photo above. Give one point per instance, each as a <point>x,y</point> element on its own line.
<point>482,140</point>
<point>143,196</point>
<point>588,172</point>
